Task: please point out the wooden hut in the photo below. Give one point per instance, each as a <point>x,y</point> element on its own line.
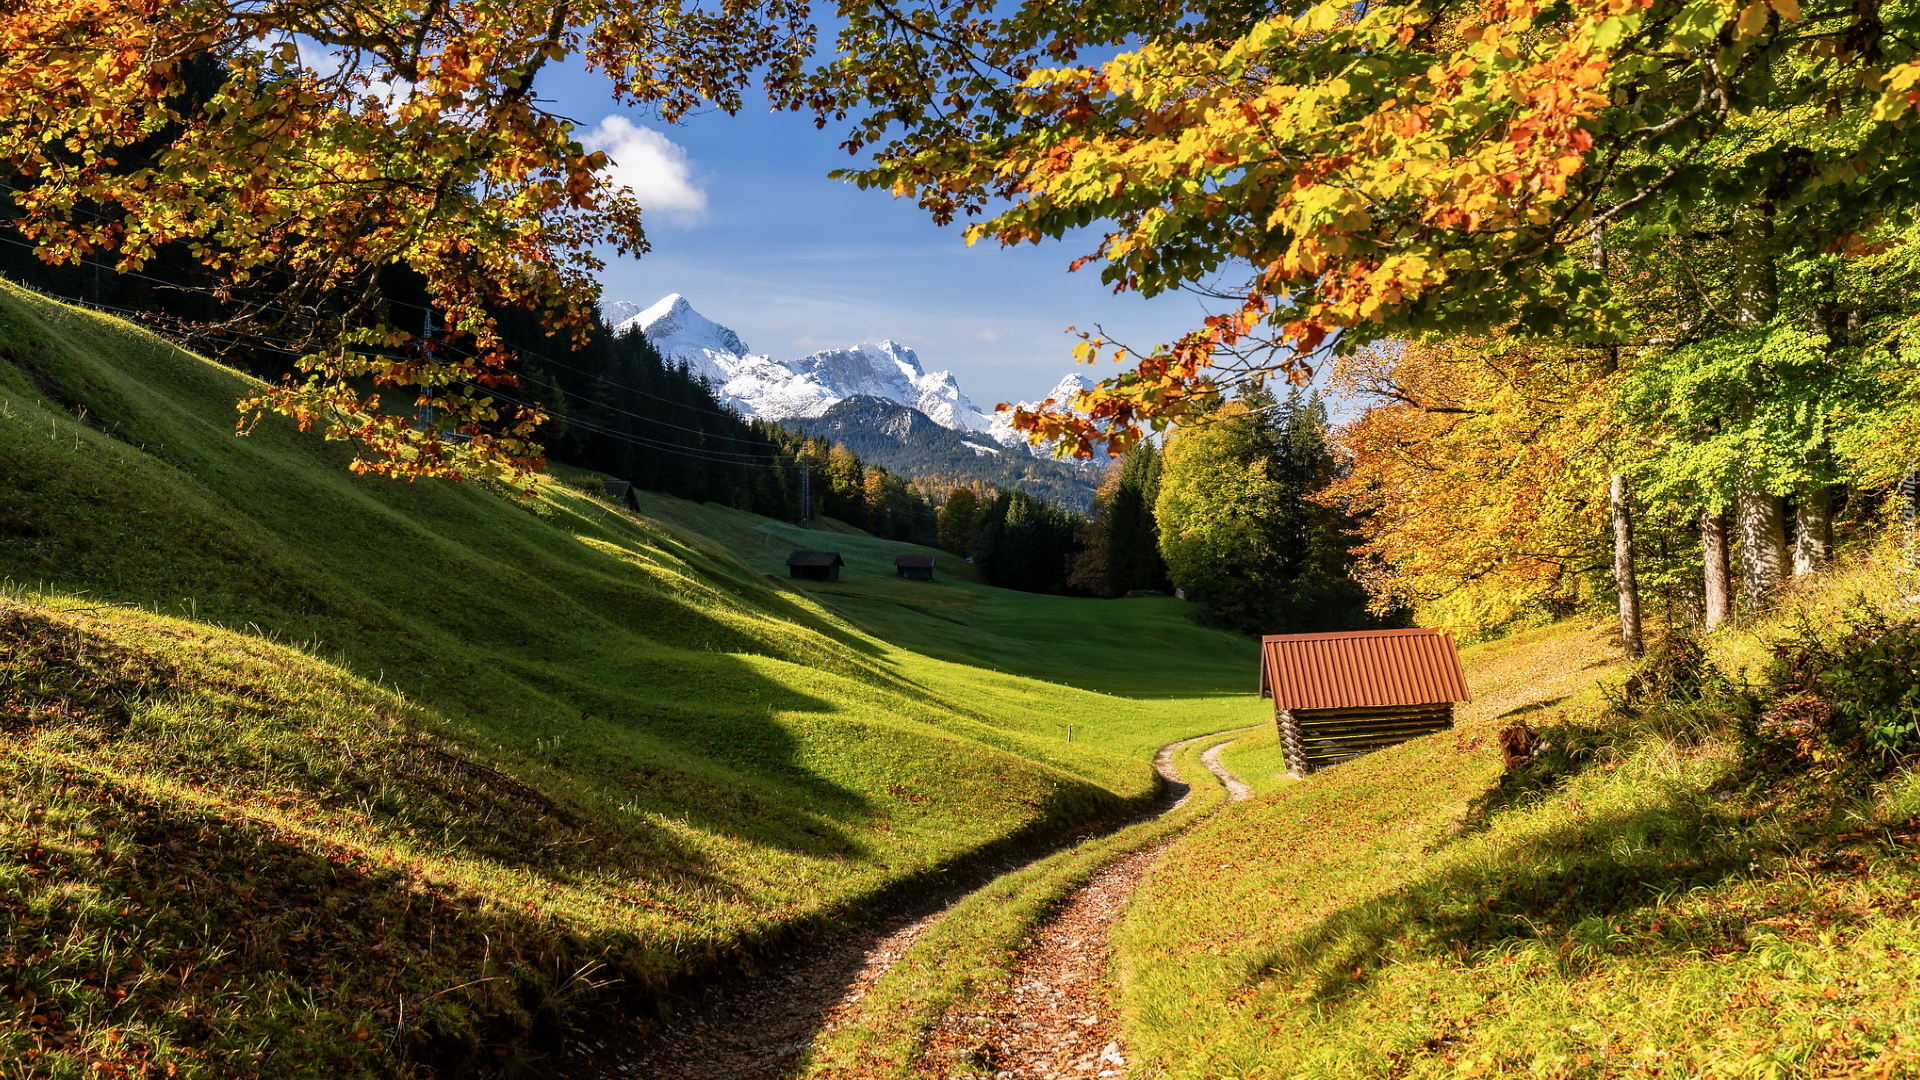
<point>1337,696</point>
<point>915,567</point>
<point>815,565</point>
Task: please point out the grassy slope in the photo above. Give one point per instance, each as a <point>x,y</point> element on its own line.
<point>1145,649</point>
<point>1097,644</point>
<point>1647,915</point>
<point>598,739</point>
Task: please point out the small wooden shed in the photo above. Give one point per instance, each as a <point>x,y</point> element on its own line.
<point>815,565</point>
<point>916,567</point>
<point>1337,696</point>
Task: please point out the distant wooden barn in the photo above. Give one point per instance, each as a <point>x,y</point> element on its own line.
<point>1337,696</point>
<point>916,567</point>
<point>815,565</point>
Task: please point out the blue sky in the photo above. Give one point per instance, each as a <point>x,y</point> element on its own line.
<point>746,225</point>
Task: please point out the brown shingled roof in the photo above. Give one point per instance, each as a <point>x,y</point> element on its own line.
<point>914,562</point>
<point>1360,669</point>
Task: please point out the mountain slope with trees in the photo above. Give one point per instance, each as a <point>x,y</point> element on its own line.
<point>904,441</point>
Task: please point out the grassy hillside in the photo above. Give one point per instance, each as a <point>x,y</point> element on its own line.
<point>309,774</point>
<point>1104,645</point>
<point>1652,896</point>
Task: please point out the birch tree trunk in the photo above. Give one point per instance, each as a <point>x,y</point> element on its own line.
<point>1713,550</point>
<point>1813,531</point>
<point>1623,576</point>
<point>1762,522</point>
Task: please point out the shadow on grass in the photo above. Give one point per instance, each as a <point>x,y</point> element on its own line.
<point>229,939</point>
<point>1574,891</point>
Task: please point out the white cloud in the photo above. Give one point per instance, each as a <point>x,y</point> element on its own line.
<point>653,166</point>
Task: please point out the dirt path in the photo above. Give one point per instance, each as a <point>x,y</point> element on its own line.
<point>1237,788</point>
<point>1054,1020</point>
<point>757,1029</point>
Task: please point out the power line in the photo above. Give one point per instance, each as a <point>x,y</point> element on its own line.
<point>637,440</point>
<point>145,316</point>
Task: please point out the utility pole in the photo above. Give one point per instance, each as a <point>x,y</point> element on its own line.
<point>806,487</point>
<point>424,418</point>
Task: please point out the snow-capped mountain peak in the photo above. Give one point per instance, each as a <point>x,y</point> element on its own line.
<point>1061,395</point>
<point>1064,391</point>
<point>681,333</point>
<point>795,389</point>
<point>616,312</point>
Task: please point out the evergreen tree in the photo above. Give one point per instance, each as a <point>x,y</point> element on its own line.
<point>1315,540</point>
<point>960,522</point>
<point>1132,537</point>
<point>1026,544</point>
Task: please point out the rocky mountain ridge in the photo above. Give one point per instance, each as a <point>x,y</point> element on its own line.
<point>806,388</point>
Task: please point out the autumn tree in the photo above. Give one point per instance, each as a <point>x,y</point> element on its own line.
<point>1478,474</point>
<point>1340,174</point>
<point>297,150</point>
<point>959,521</point>
<point>846,486</point>
<point>1088,574</point>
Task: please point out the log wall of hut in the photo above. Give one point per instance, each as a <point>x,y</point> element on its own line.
<point>1316,738</point>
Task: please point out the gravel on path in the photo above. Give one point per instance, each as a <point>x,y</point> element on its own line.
<point>1054,1019</point>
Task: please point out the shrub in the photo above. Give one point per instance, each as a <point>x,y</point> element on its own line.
<point>1677,693</point>
<point>1855,695</point>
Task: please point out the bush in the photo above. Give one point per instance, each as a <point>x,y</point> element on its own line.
<point>1678,694</point>
<point>1855,695</point>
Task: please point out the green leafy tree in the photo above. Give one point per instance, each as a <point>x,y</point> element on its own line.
<point>960,521</point>
<point>1216,512</point>
<point>1343,174</point>
<point>1237,531</point>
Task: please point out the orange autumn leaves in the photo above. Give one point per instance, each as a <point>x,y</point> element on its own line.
<point>1478,476</point>
<point>1352,176</point>
<point>297,150</point>
<point>1343,174</point>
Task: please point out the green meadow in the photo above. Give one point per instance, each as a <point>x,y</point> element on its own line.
<point>305,774</point>
<point>334,776</point>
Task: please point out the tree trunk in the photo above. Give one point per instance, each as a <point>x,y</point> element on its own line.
<point>1762,521</point>
<point>1623,566</point>
<point>1713,549</point>
<point>1756,281</point>
<point>1813,531</point>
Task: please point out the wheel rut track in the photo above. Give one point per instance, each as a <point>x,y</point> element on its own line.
<point>757,1028</point>
<point>1054,1018</point>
